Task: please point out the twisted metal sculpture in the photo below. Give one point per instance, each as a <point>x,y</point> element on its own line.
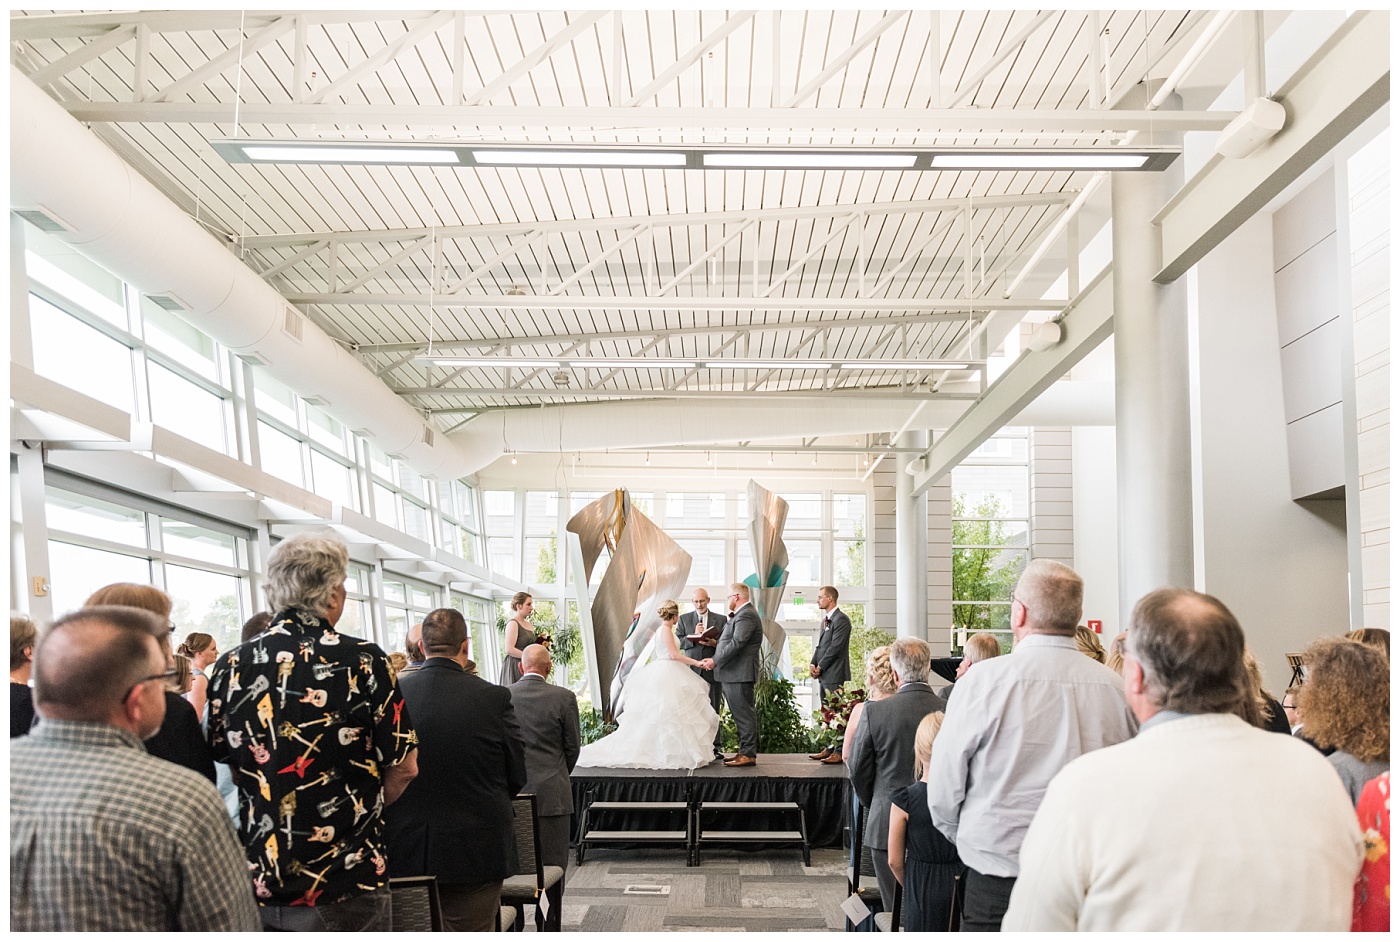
<point>768,514</point>
<point>645,568</point>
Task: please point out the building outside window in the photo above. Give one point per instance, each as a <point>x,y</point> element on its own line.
<point>991,534</point>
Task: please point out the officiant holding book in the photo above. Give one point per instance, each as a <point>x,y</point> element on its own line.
<point>697,633</point>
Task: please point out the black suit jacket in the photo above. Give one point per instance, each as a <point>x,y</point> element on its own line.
<point>548,717</point>
<point>833,652</point>
<point>736,656</point>
<point>454,820</point>
<point>181,739</point>
<point>882,753</point>
<point>687,625</point>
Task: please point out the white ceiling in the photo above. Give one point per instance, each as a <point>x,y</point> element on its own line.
<point>550,262</point>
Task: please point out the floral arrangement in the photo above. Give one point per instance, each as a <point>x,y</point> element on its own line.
<point>835,713</point>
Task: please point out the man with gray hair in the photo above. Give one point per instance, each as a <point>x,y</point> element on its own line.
<point>315,732</point>
<point>103,836</point>
<point>1208,796</point>
<point>1016,721</point>
<point>882,753</point>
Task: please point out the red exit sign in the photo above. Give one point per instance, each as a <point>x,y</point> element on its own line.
<point>1096,626</point>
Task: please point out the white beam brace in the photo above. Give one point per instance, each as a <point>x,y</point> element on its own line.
<point>601,258</point>
<point>838,65</point>
<point>704,257</point>
<point>969,87</point>
<point>1087,323</point>
<point>375,61</point>
<point>689,59</point>
<point>81,56</point>
<point>540,53</point>
<point>1340,86</point>
<point>227,59</point>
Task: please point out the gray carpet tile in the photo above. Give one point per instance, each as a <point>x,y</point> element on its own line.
<point>730,891</point>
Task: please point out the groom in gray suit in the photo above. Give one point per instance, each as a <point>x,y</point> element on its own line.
<point>548,717</point>
<point>736,666</point>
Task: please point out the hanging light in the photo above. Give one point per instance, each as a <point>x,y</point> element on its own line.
<point>514,459</point>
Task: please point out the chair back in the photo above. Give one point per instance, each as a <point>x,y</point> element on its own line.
<point>527,839</point>
<point>415,903</point>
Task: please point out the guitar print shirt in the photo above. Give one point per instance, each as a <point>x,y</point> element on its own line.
<point>307,719</point>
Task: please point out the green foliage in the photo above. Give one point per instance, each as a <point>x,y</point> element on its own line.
<point>863,641</point>
<point>546,567</point>
<point>592,726</point>
<point>780,724</point>
<point>568,644</point>
<point>982,571</point>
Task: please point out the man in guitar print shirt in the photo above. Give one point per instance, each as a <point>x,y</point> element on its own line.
<point>317,738</point>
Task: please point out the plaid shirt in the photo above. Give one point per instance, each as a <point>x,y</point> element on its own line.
<point>306,719</point>
<point>104,837</point>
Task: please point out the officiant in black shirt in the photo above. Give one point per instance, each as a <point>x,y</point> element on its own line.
<point>699,622</point>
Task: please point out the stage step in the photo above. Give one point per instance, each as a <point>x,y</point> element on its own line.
<point>592,835</point>
<point>704,836</point>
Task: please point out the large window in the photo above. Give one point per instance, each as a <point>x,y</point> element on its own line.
<point>991,527</point>
<point>98,536</point>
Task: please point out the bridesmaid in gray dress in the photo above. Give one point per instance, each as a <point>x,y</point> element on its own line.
<point>520,634</point>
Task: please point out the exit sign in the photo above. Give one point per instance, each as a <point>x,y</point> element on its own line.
<point>1096,626</point>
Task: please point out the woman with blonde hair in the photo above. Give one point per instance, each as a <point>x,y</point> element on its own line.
<point>180,739</point>
<point>1271,715</point>
<point>666,721</point>
<point>180,683</point>
<point>923,861</point>
<point>1089,644</point>
<point>879,684</point>
<point>520,634</point>
<point>1346,702</point>
<point>1116,649</point>
<point>202,651</point>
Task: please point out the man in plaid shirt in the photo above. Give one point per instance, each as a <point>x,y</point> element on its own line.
<point>103,836</point>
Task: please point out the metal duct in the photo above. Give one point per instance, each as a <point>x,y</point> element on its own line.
<point>120,220</point>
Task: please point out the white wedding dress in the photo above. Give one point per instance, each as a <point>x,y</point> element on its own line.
<point>666,723</point>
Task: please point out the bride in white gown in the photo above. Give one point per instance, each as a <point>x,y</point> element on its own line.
<point>667,721</point>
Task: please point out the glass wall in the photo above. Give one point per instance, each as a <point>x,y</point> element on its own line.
<point>991,533</point>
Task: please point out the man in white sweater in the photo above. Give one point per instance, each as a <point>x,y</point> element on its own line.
<point>1202,822</point>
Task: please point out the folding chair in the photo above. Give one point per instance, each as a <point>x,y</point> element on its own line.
<point>415,904</point>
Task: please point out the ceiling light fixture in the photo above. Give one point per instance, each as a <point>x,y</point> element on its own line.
<point>892,365</point>
<point>797,160</point>
<point>549,157</point>
<point>1088,160</point>
<point>768,364</point>
<point>690,157</point>
<point>493,362</point>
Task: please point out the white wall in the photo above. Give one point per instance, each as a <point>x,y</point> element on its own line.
<point>1280,565</point>
<point>1095,481</point>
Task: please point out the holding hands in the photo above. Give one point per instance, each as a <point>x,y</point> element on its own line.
<point>708,664</point>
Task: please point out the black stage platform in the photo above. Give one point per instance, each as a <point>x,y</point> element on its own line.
<point>819,789</point>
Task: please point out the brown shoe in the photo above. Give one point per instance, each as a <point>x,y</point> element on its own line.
<point>738,761</point>
<point>821,755</point>
<point>833,759</point>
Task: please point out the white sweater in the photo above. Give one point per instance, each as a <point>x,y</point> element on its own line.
<point>1201,823</point>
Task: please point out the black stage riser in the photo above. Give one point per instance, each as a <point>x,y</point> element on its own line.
<point>819,790</point>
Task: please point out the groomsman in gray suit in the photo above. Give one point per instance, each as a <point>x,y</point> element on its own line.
<point>882,753</point>
<point>831,661</point>
<point>548,718</point>
<point>736,666</point>
<point>695,623</point>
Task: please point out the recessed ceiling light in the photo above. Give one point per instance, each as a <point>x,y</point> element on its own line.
<point>796,160</point>
<point>1100,160</point>
<point>547,157</point>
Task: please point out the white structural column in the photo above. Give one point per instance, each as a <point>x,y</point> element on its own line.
<point>911,548</point>
<point>1152,400</point>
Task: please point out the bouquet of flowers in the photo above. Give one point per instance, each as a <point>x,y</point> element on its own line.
<point>835,713</point>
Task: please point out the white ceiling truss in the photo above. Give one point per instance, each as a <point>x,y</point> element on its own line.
<point>549,262</point>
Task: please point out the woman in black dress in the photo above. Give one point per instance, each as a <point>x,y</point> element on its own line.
<point>923,860</point>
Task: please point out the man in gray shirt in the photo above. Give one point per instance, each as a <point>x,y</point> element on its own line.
<point>103,836</point>
<point>1016,721</point>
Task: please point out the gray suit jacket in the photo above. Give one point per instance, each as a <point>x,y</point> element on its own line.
<point>548,717</point>
<point>882,753</point>
<point>737,656</point>
<point>833,652</point>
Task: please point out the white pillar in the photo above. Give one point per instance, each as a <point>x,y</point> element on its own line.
<point>1153,389</point>
<point>911,548</point>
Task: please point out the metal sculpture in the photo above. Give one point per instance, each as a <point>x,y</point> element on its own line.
<point>768,514</point>
<point>645,568</point>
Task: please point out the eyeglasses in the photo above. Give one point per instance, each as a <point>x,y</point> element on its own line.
<point>167,675</point>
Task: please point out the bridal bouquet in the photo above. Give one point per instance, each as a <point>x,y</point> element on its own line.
<point>835,714</point>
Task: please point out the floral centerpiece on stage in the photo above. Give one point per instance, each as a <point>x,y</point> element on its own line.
<point>835,713</point>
